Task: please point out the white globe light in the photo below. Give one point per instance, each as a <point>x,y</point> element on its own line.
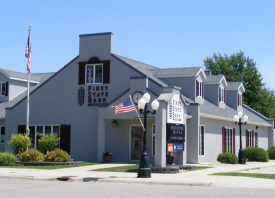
<point>155,105</point>
<point>146,97</point>
<point>240,114</point>
<point>236,118</point>
<point>141,103</point>
<point>245,118</point>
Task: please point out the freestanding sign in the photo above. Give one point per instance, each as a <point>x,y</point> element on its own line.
<point>175,110</point>
<point>175,133</point>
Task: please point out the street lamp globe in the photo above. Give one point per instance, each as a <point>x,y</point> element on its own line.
<point>240,114</point>
<point>236,118</point>
<point>245,118</point>
<point>146,97</point>
<point>155,105</point>
<point>141,104</point>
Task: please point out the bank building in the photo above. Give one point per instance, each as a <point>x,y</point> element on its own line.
<point>195,111</point>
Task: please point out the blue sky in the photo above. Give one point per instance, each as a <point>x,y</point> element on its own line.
<point>157,32</point>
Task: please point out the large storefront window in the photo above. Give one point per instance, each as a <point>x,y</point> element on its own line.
<point>36,133</point>
<point>136,142</point>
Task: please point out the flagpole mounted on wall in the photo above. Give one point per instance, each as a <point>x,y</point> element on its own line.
<point>28,55</point>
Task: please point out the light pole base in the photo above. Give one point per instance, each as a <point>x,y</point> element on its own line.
<point>144,173</point>
<point>241,157</point>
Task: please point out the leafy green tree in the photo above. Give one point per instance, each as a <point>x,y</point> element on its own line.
<point>238,68</point>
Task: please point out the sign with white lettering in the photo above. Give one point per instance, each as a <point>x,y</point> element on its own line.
<point>170,147</point>
<point>178,146</point>
<point>175,133</point>
<point>175,110</point>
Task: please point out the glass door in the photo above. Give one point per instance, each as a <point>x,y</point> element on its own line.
<point>136,142</point>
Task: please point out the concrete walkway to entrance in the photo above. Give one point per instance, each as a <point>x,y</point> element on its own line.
<point>198,178</point>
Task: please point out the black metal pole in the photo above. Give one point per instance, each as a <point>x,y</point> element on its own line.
<point>144,170</point>
<point>241,153</point>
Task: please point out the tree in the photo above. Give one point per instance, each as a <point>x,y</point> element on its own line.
<point>238,68</point>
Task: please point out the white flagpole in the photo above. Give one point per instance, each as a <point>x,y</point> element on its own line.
<point>136,112</point>
<point>28,95</point>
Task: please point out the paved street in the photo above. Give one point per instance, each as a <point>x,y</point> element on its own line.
<point>22,188</point>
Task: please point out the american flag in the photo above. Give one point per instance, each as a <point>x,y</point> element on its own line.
<point>28,52</point>
<point>125,106</point>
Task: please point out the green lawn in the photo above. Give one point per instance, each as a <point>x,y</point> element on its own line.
<point>132,168</point>
<point>50,167</point>
<point>203,167</point>
<point>255,175</point>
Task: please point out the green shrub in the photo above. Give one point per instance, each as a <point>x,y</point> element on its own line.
<point>19,143</point>
<point>57,155</point>
<point>32,156</point>
<point>227,158</point>
<point>271,152</point>
<point>256,154</point>
<point>48,143</point>
<point>8,158</point>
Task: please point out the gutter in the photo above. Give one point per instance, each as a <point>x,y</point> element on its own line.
<point>232,120</point>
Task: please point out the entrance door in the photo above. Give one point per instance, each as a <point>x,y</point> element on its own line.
<point>136,142</point>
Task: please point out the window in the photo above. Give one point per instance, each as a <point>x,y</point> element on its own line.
<point>154,139</point>
<point>94,73</point>
<point>3,89</point>
<point>240,100</point>
<point>221,95</point>
<point>2,134</point>
<point>37,131</point>
<point>199,89</point>
<point>249,138</point>
<point>201,141</point>
<point>229,140</point>
<point>256,140</point>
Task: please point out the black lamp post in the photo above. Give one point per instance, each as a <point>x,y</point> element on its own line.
<point>144,170</point>
<point>238,121</point>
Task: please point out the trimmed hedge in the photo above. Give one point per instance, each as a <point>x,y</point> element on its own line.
<point>256,154</point>
<point>57,155</point>
<point>7,158</point>
<point>271,152</point>
<point>227,158</point>
<point>48,143</point>
<point>32,156</point>
<point>19,143</point>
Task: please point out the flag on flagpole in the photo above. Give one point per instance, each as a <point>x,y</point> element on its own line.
<point>125,106</point>
<point>28,52</point>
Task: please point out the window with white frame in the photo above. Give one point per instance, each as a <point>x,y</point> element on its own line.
<point>228,140</point>
<point>222,95</point>
<point>38,130</point>
<point>200,89</point>
<point>201,141</point>
<point>250,138</point>
<point>240,100</point>
<point>2,134</point>
<point>94,74</point>
<point>3,88</point>
<point>256,140</point>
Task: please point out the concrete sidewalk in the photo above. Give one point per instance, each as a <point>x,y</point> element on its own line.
<point>198,178</point>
